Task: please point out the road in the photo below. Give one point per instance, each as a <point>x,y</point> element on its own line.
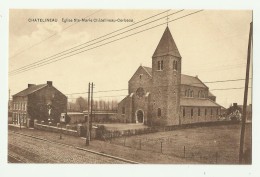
<point>24,149</point>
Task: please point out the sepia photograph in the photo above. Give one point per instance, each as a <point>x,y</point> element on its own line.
<point>125,86</point>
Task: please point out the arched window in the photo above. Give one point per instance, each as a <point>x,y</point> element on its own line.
<point>199,94</point>
<point>198,111</point>
<point>191,112</point>
<point>188,94</point>
<point>183,112</point>
<point>162,65</point>
<point>159,112</point>
<point>185,93</point>
<point>175,65</point>
<point>191,94</point>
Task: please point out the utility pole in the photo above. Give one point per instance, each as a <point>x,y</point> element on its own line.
<point>87,120</point>
<point>242,135</point>
<point>91,109</point>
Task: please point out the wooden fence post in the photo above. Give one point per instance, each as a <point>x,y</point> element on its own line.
<point>216,157</point>
<point>184,152</point>
<point>161,146</point>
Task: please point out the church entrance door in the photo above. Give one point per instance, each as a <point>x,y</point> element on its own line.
<point>139,116</point>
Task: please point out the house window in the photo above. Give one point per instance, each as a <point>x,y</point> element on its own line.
<point>191,112</point>
<point>183,112</point>
<point>198,111</point>
<point>123,110</point>
<point>159,112</point>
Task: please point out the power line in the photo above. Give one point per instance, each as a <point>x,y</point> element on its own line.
<point>193,83</point>
<point>109,42</point>
<point>54,34</point>
<point>110,96</point>
<point>230,88</point>
<point>42,61</point>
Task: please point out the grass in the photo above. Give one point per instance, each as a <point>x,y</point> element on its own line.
<point>208,145</point>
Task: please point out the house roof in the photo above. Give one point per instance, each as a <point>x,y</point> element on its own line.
<point>30,90</point>
<point>202,102</point>
<point>166,45</point>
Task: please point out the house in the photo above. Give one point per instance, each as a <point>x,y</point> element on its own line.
<point>42,102</point>
<point>162,95</point>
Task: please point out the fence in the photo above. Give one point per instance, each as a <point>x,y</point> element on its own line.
<point>168,146</point>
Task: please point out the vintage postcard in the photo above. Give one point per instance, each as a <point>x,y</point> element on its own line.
<point>104,86</point>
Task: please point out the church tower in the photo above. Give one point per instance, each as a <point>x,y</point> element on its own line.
<point>166,80</point>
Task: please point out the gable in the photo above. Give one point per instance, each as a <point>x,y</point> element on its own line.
<point>143,71</point>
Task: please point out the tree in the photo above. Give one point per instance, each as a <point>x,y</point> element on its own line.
<point>82,104</point>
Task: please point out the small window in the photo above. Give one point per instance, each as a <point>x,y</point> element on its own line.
<point>205,111</point>
<point>162,65</point>
<point>183,112</point>
<point>198,111</point>
<point>140,76</point>
<point>185,93</point>
<point>191,93</point>
<point>159,112</point>
<point>191,112</point>
<point>123,110</point>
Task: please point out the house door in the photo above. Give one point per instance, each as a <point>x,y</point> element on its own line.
<point>140,116</point>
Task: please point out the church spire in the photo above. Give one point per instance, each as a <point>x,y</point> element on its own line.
<point>166,45</point>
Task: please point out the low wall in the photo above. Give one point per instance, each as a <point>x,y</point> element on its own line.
<point>104,134</point>
<point>80,132</point>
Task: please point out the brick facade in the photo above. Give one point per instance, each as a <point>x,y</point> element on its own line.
<point>35,102</point>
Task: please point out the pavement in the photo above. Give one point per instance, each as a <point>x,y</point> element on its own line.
<point>140,156</point>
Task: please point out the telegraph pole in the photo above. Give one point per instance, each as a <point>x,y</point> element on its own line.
<point>242,135</point>
<point>87,120</point>
<point>91,109</point>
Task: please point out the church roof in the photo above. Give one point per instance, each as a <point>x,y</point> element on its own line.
<point>192,81</point>
<point>166,45</point>
<point>185,79</point>
<point>30,90</point>
<point>210,94</point>
<point>201,102</point>
<point>148,70</point>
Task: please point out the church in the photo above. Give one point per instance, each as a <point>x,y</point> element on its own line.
<point>162,95</point>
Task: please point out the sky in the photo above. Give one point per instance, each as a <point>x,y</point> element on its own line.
<point>213,45</point>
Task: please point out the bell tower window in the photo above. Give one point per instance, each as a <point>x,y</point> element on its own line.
<point>175,65</point>
<point>160,65</point>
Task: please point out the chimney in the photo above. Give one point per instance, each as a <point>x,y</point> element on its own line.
<point>30,85</point>
<point>235,104</point>
<point>49,83</point>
